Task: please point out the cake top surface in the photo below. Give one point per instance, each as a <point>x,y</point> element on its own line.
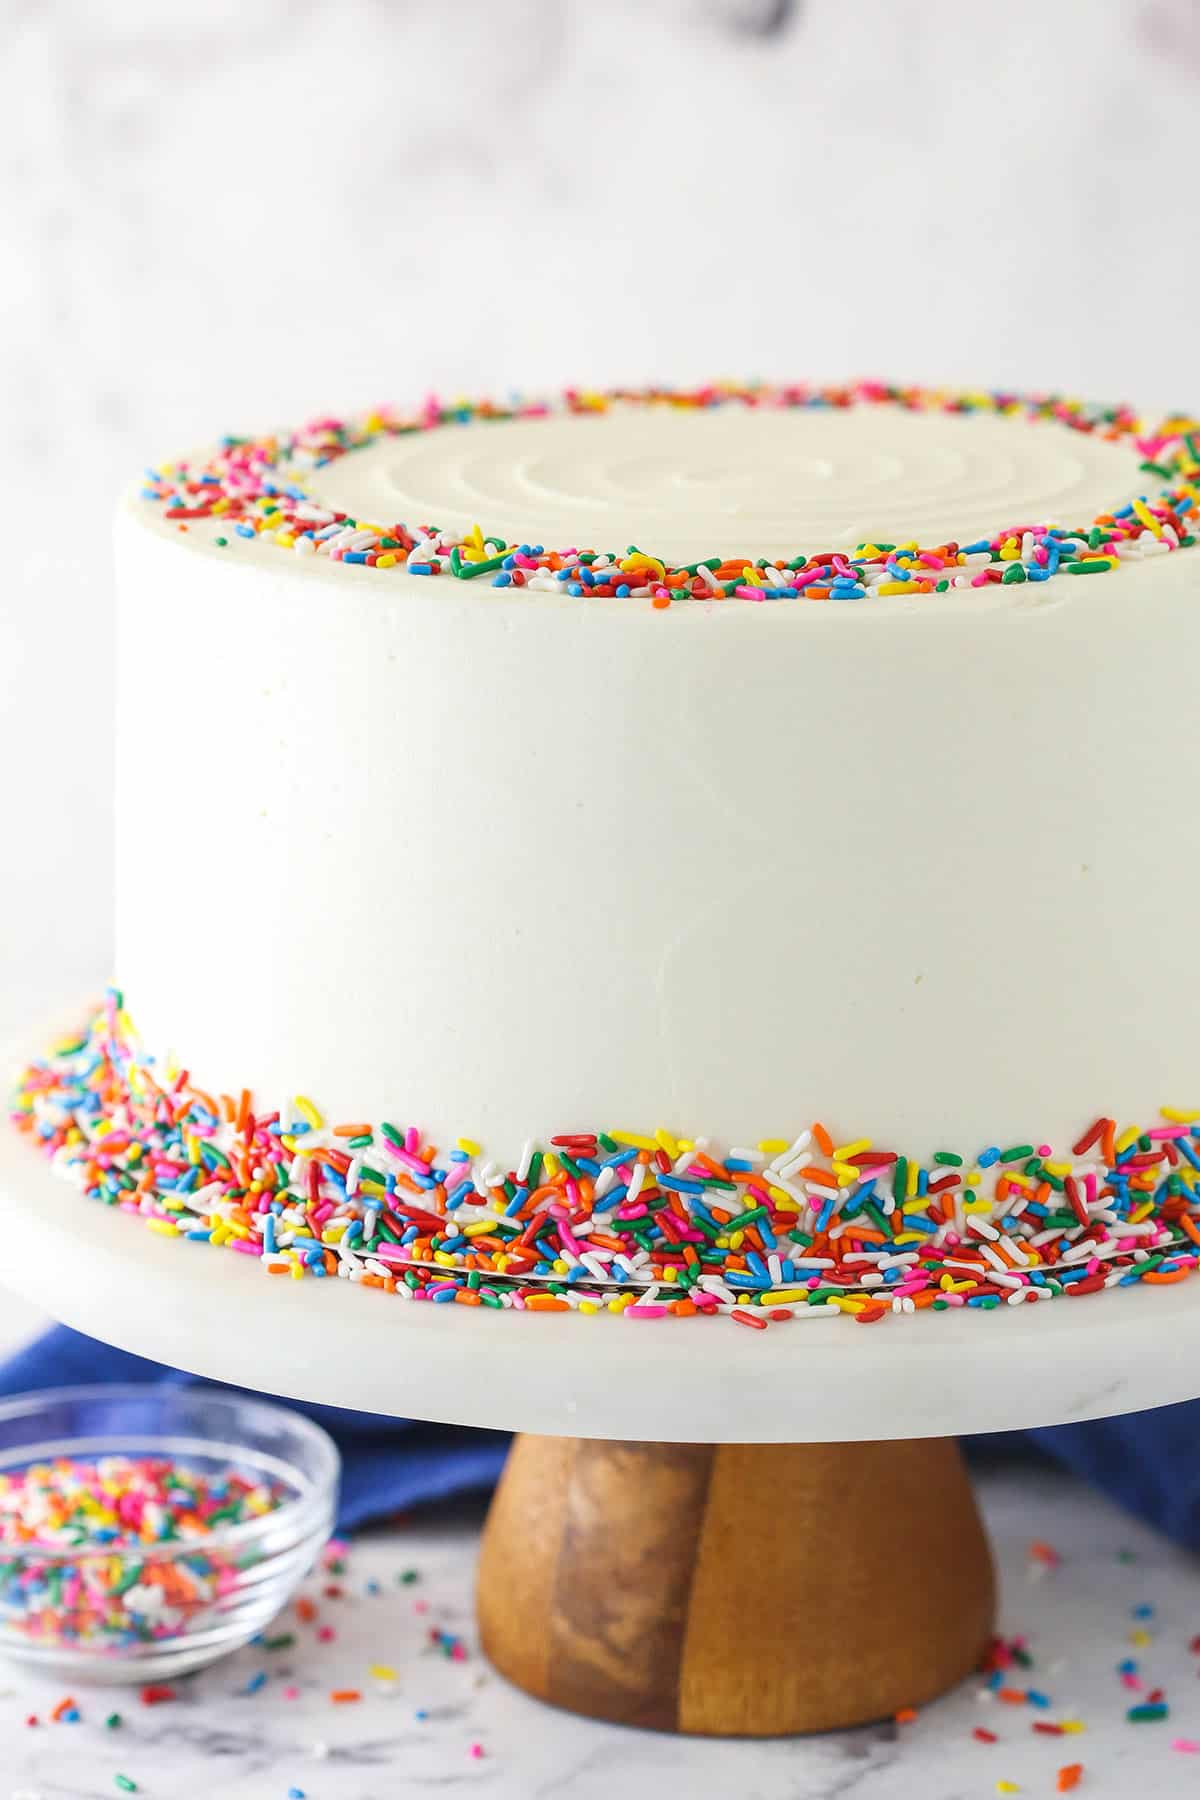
<point>758,492</point>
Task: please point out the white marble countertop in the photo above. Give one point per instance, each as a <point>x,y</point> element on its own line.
<point>226,1737</point>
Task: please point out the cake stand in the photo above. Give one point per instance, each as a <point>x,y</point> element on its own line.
<point>700,1528</point>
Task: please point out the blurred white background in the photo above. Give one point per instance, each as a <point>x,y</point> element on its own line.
<point>227,216</point>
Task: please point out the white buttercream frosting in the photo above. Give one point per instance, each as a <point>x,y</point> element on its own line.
<point>501,863</point>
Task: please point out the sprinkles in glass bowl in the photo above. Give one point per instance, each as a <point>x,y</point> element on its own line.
<point>146,1530</point>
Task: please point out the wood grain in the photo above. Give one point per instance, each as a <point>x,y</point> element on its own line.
<point>735,1590</point>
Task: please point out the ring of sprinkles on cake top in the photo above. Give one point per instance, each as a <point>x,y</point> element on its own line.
<point>647,1225</point>
<point>255,489</point>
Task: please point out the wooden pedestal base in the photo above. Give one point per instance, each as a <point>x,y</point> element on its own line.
<point>734,1590</point>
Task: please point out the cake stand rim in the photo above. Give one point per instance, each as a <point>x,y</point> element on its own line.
<point>562,1374</point>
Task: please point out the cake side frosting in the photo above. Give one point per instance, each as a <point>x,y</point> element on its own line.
<point>498,867</point>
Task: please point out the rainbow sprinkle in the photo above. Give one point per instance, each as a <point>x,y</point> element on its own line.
<point>92,1552</point>
<point>646,1225</point>
<point>253,488</point>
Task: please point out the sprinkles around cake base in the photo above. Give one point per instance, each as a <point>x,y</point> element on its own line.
<point>253,488</point>
<point>647,1225</point>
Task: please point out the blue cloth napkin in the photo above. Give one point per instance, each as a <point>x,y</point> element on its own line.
<point>1148,1463</point>
<point>388,1464</point>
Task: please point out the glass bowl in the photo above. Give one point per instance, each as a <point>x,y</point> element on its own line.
<point>144,1611</point>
